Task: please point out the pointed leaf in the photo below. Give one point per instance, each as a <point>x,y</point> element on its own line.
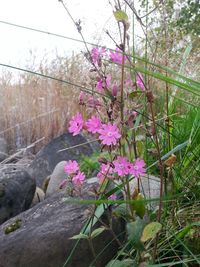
<point>134,230</point>
<point>98,213</point>
<point>97,231</point>
<point>134,94</point>
<point>123,263</point>
<point>120,15</point>
<point>150,231</point>
<point>122,211</point>
<point>139,206</point>
<point>79,236</point>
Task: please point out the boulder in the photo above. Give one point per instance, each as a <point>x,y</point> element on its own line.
<point>49,156</point>
<point>17,189</point>
<point>149,187</point>
<point>3,149</point>
<point>40,237</point>
<point>56,178</point>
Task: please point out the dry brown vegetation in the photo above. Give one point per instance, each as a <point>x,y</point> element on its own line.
<point>33,107</point>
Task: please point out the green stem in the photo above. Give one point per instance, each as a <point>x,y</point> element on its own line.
<point>93,251</point>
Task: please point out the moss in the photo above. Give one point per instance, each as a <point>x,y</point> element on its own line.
<point>13,226</point>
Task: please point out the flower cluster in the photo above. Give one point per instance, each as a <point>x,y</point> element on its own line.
<point>107,130</point>
<point>102,83</point>
<point>72,169</point>
<point>97,54</point>
<point>108,133</point>
<point>121,167</point>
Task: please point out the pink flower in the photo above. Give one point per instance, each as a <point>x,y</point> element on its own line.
<point>76,124</point>
<point>137,169</point>
<point>122,166</point>
<point>106,169</point>
<point>71,167</point>
<point>97,54</point>
<point>109,134</point>
<point>140,82</point>
<point>101,84</point>
<point>79,178</point>
<point>82,98</point>
<point>112,197</point>
<point>116,56</point>
<point>93,125</point>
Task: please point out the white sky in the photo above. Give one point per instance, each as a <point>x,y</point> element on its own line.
<point>49,15</point>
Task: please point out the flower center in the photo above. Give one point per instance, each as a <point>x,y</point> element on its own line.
<point>109,134</point>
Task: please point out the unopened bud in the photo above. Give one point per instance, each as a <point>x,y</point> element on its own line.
<point>150,97</point>
<point>115,90</point>
<point>103,160</point>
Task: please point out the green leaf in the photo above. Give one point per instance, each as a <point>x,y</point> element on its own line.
<point>134,231</point>
<point>122,211</point>
<point>182,83</point>
<point>120,15</point>
<point>150,231</point>
<point>162,67</point>
<point>79,236</point>
<point>97,232</point>
<point>141,148</point>
<point>98,213</point>
<point>186,229</point>
<point>134,94</point>
<point>139,206</point>
<point>123,263</point>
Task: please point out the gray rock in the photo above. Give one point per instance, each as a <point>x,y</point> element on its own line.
<point>149,187</point>
<point>56,178</point>
<point>43,239</point>
<point>49,156</point>
<point>3,149</point>
<point>3,156</point>
<point>17,189</point>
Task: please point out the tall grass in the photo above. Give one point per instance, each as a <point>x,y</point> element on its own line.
<point>33,107</point>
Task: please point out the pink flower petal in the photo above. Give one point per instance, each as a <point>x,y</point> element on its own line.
<point>76,124</point>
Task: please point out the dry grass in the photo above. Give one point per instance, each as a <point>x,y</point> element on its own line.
<point>34,107</point>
